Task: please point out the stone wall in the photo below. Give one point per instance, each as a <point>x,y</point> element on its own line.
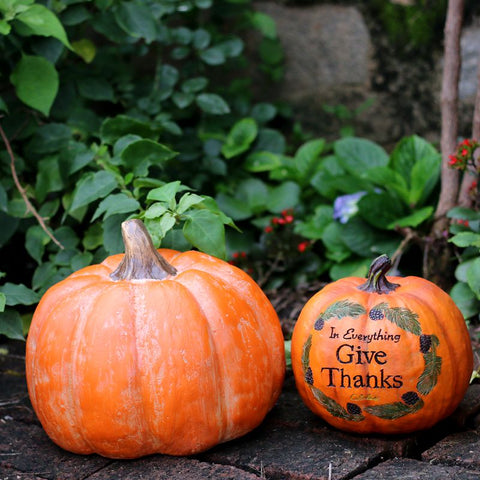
<point>332,58</point>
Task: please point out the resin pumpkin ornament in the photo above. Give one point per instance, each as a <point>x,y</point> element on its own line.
<point>389,355</point>
<point>153,352</point>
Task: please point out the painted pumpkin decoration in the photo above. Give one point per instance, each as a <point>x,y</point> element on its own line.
<point>153,352</point>
<point>389,355</point>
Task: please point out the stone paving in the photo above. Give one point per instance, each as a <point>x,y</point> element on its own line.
<point>291,444</point>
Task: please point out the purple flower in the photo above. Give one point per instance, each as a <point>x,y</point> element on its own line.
<point>346,206</point>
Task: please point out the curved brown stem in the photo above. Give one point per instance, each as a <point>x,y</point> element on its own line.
<point>376,280</point>
<point>22,191</point>
<point>141,261</point>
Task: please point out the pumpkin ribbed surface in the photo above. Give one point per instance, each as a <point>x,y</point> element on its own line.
<point>133,367</point>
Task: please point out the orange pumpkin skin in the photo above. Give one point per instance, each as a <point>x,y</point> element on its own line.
<point>134,367</point>
<point>410,369</point>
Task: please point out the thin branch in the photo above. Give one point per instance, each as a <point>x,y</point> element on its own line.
<point>449,112</point>
<point>22,191</point>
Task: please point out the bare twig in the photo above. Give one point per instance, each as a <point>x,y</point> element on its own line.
<point>22,191</point>
<point>449,111</point>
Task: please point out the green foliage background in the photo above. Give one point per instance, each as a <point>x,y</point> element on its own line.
<point>118,109</point>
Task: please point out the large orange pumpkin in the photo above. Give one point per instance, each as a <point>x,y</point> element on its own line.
<point>386,355</point>
<point>148,353</point>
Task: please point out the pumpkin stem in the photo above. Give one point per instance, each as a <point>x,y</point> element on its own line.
<point>142,260</point>
<point>376,280</point>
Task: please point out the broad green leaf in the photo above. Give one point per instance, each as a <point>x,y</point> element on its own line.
<point>465,299</point>
<point>359,236</point>
<point>424,177</point>
<point>166,193</point>
<point>333,241</point>
<point>240,137</point>
<point>36,240</point>
<point>36,82</point>
<point>42,21</point>
<point>388,179</point>
<point>50,138</point>
<point>313,228</point>
<point>11,324</point>
<point>3,198</point>
<point>5,27</point>
<point>67,237</point>
<point>91,187</point>
<point>412,220</point>
<point>95,88</point>
<point>358,154</point>
<point>407,152</point>
<point>48,178</point>
<point>213,56</point>
<point>284,196</point>
<point>187,201</point>
<point>112,234</point>
<point>205,230</point>
<point>113,204</point>
<point>234,207</point>
<point>182,99</point>
<point>380,209</point>
<point>473,277</point>
<point>81,260</point>
<point>265,24</point>
<point>18,294</point>
<point>350,268</point>
<point>232,47</point>
<point>137,20</point>
<point>201,39</point>
<point>155,210</point>
<point>262,162</point>
<point>194,85</point>
<point>463,213</point>
<point>114,128</point>
<point>270,140</point>
<point>44,276</point>
<point>307,158</point>
<point>3,300</point>
<point>254,193</point>
<point>85,48</point>
<point>212,103</point>
<point>93,237</point>
<point>139,155</point>
<point>263,112</point>
<point>3,106</point>
<point>466,239</point>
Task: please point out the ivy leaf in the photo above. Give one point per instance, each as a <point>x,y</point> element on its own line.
<point>41,21</point>
<point>36,82</point>
<point>212,103</point>
<point>3,300</point>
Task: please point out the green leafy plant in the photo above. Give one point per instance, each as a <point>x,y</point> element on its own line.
<point>111,110</point>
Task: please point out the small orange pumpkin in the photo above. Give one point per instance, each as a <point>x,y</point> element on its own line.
<point>386,355</point>
<point>153,352</point>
